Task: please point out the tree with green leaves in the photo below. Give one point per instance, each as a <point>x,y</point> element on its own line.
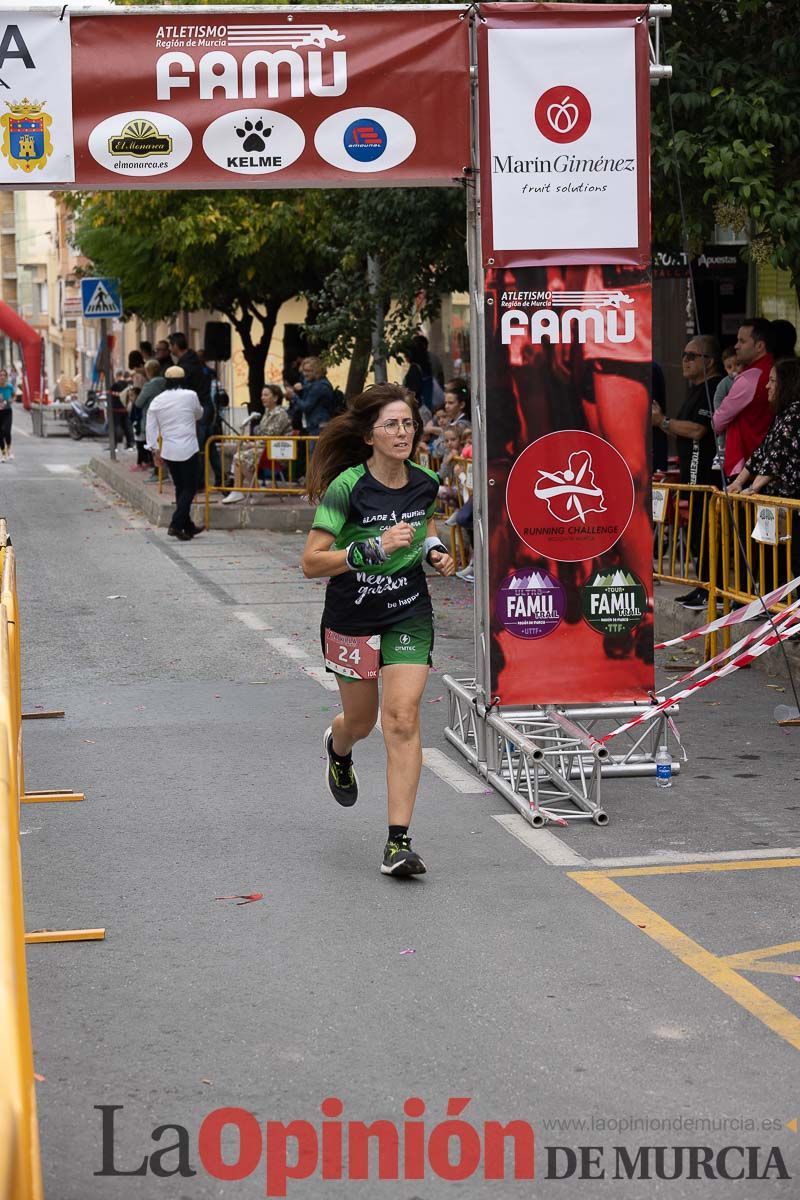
<point>243,254</point>
<point>733,128</point>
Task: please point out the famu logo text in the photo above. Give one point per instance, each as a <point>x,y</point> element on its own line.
<point>587,317</point>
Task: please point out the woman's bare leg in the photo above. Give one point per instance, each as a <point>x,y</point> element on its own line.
<point>403,686</point>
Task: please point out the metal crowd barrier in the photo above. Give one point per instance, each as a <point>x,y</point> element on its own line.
<point>734,547</point>
<point>681,539</point>
<point>20,1166</point>
<point>279,456</point>
<point>50,418</point>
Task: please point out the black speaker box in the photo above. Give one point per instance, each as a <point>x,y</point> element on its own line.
<point>217,341</point>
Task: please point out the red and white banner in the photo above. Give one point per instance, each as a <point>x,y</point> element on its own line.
<point>270,98</point>
<point>568,366</point>
<point>564,134</point>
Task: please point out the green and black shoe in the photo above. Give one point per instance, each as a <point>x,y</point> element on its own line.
<point>399,859</point>
<point>339,775</point>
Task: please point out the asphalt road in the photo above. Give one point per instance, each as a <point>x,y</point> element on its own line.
<point>189,674</point>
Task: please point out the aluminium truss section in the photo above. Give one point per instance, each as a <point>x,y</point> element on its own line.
<point>545,765</point>
<point>634,751</point>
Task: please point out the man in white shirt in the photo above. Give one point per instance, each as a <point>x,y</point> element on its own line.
<point>173,417</point>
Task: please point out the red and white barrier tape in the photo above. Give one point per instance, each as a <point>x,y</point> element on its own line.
<point>790,628</point>
<point>737,616</point>
<point>776,621</point>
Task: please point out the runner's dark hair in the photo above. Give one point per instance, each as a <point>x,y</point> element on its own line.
<point>341,443</point>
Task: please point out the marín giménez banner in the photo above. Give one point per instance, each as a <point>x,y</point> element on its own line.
<point>568,370</point>
<point>564,135</point>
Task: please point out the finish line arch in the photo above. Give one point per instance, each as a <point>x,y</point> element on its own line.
<point>542,113</point>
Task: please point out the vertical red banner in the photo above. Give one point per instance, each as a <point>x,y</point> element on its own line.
<point>568,365</point>
<point>567,319</point>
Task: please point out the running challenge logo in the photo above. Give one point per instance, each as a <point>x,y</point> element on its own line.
<point>588,318</point>
<point>570,496</point>
<point>562,114</point>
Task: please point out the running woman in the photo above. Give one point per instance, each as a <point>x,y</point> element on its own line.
<point>6,417</point>
<point>372,530</point>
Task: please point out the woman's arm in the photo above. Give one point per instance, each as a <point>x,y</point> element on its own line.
<point>319,560</point>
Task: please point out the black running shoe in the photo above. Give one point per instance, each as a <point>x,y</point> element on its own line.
<point>399,859</point>
<point>340,776</point>
<point>697,601</point>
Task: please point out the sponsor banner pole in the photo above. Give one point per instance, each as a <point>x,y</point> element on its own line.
<point>568,359</point>
<point>478,396</point>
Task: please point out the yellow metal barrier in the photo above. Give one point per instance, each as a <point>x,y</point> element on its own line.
<point>20,1170</point>
<point>705,538</point>
<point>260,445</point>
<point>681,542</point>
<point>744,567</point>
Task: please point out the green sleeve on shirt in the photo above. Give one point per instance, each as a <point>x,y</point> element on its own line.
<point>332,512</point>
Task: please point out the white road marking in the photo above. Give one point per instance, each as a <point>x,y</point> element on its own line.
<point>321,676</point>
<point>549,847</point>
<point>287,646</point>
<point>61,469</point>
<point>669,857</point>
<point>252,621</point>
<point>450,772</point>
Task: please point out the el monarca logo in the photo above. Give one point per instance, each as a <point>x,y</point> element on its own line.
<point>140,138</point>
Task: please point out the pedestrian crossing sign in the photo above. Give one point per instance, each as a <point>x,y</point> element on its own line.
<point>101,298</point>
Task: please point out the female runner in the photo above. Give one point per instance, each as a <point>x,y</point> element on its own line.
<point>373,527</point>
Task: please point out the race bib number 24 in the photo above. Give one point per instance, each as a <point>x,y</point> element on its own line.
<point>355,657</point>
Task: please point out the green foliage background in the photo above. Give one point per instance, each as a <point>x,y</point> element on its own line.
<point>729,120</point>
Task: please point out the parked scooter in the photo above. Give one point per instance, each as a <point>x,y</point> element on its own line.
<point>88,419</point>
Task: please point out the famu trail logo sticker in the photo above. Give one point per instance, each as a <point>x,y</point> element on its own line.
<point>613,601</point>
<point>530,604</point>
<point>26,135</point>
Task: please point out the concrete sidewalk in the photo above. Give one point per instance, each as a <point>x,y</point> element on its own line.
<point>282,514</point>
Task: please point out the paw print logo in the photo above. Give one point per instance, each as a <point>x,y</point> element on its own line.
<point>253,135</point>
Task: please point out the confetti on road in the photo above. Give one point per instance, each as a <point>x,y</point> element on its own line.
<point>249,899</point>
<point>408,951</point>
<point>435,700</point>
<point>116,597</point>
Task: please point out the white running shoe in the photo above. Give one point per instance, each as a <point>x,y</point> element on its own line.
<point>233,498</point>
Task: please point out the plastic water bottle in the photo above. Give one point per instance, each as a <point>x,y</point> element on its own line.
<point>663,767</point>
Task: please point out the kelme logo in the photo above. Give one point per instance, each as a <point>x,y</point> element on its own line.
<point>562,114</point>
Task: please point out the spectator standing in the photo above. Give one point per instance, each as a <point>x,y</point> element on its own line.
<point>153,386</point>
<point>173,415</point>
<point>456,397</point>
<point>730,365</point>
<point>314,399</point>
<point>163,355</point>
<point>774,467</point>
<point>692,429</point>
<point>199,381</point>
<point>6,417</point>
<point>745,414</point>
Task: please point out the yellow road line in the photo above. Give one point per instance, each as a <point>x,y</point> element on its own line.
<point>754,864</point>
<point>691,953</point>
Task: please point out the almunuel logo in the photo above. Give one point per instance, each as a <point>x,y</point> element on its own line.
<point>365,139</point>
<point>562,114</point>
<point>571,494</point>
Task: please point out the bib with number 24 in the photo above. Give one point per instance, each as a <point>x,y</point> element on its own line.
<point>355,657</point>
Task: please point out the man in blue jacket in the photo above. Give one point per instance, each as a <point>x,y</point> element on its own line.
<point>315,401</point>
